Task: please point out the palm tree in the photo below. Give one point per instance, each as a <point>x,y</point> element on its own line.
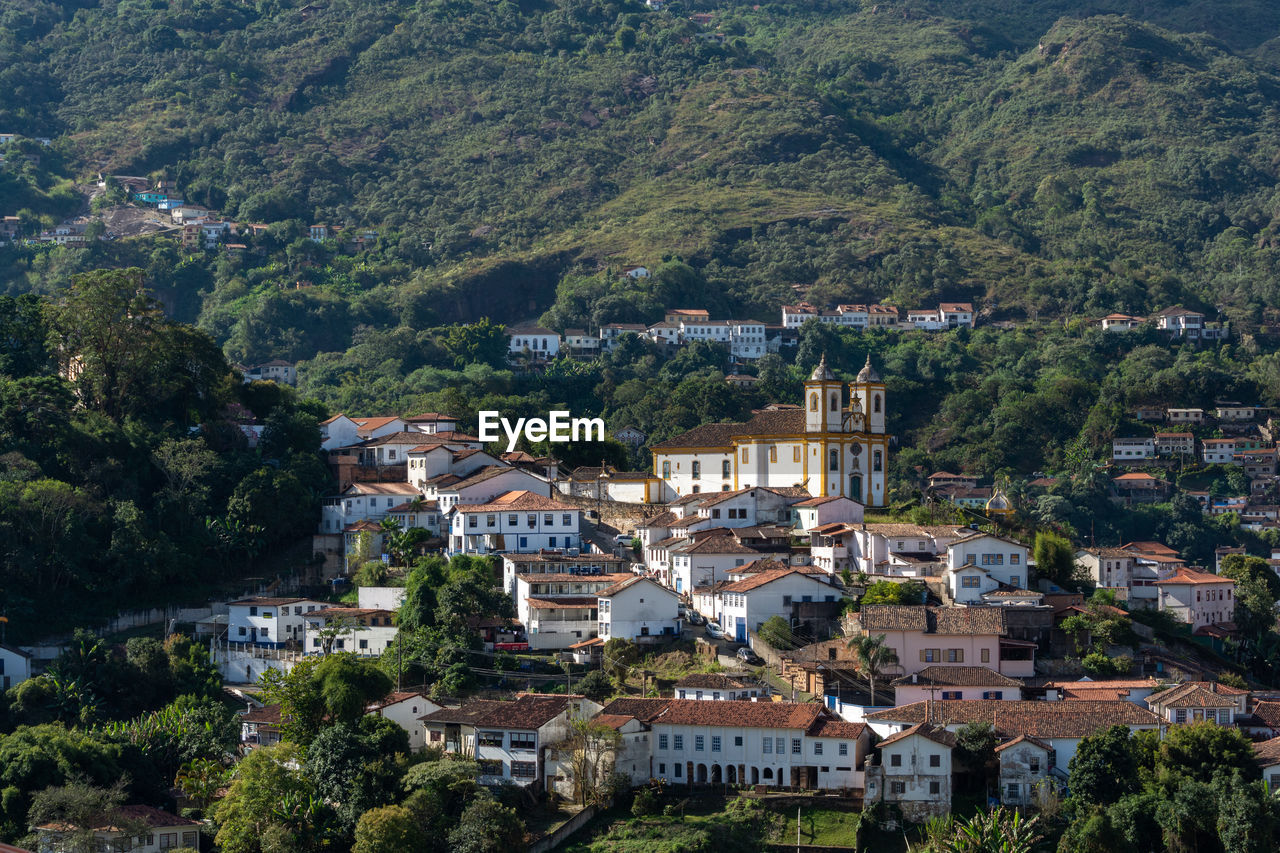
<point>872,657</point>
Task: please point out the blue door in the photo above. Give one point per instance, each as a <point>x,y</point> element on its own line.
<point>742,630</point>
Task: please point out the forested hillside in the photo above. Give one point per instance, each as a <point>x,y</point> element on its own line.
<point>1039,157</point>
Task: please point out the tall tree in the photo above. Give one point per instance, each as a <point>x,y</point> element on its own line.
<point>872,658</point>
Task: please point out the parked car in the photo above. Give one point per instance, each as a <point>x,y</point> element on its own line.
<point>749,657</point>
<point>623,539</point>
<point>693,617</point>
<point>714,630</point>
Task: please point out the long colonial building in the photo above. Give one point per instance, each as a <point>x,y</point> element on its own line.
<point>825,446</point>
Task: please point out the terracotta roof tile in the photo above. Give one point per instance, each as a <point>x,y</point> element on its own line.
<point>756,715</point>
<point>968,621</point>
<point>518,501</point>
<point>644,710</point>
<point>710,681</point>
<point>1035,718</point>
<point>788,422</point>
<point>759,579</point>
<point>956,676</point>
<point>932,732</point>
<point>1267,753</point>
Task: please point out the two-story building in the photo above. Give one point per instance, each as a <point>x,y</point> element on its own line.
<point>638,609</point>
<point>533,342</point>
<point>1195,701</point>
<point>1026,765</point>
<point>507,739</point>
<point>558,611</point>
<point>158,829</point>
<point>1133,448</point>
<point>983,562</point>
<point>745,605</point>
<point>914,771</point>
<point>271,622</point>
<point>1199,599</point>
<point>406,708</point>
<point>955,682</point>
<point>365,632</point>
<point>924,636</point>
<point>518,521</point>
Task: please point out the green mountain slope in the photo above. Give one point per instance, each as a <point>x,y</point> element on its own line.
<point>908,151</point>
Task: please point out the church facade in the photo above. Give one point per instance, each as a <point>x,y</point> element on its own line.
<point>826,446</point>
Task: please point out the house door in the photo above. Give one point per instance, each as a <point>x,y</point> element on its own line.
<point>742,630</point>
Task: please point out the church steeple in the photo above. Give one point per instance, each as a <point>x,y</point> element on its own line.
<point>822,393</point>
<point>867,395</point>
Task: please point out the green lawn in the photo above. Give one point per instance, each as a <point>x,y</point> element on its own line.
<point>820,825</point>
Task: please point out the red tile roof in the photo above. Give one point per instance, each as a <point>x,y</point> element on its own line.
<point>1035,718</point>
<point>519,501</point>
<point>969,621</point>
<point>759,579</point>
<point>926,730</point>
<point>644,710</point>
<point>1191,576</point>
<point>956,676</point>
<point>710,681</point>
<point>1025,739</point>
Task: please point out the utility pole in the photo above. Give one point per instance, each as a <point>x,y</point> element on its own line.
<point>797,829</point>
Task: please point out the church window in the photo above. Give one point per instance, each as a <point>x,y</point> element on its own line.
<point>745,456</point>
<point>696,470</point>
<point>875,403</point>
<point>725,470</point>
<point>795,453</point>
<point>877,461</point>
<point>835,402</point>
<point>666,470</point>
<point>833,460</point>
<point>813,402</point>
<point>773,454</point>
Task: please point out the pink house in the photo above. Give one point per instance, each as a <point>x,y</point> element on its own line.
<point>924,637</point>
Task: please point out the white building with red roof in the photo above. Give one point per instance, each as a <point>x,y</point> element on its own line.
<point>1200,599</point>
<point>519,521</point>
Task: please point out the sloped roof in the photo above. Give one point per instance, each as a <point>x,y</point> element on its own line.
<point>521,499</point>
<point>757,715</point>
<point>1267,753</point>
<point>969,621</point>
<point>759,579</point>
<point>787,422</point>
<point>956,676</point>
<point>1025,739</point>
<point>1035,718</point>
<point>643,709</point>
<point>527,711</point>
<point>925,730</point>
<point>710,681</point>
<point>1196,694</point>
<point>1190,576</point>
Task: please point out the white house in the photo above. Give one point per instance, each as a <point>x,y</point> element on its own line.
<point>698,562</point>
<point>746,604</point>
<point>955,682</point>
<point>547,563</point>
<point>1200,599</point>
<point>1195,701</point>
<point>516,521</point>
<point>432,423</point>
<point>507,738</point>
<point>360,631</point>
<point>484,485</point>
<point>429,462</point>
<point>1218,451</point>
<point>816,512</point>
<point>1133,448</point>
<point>15,667</point>
<point>1110,568</point>
<point>915,771</point>
<point>163,831</point>
<point>1025,765</point>
<point>557,611</point>
<point>984,562</point>
<point>406,708</point>
<point>757,743</point>
<point>715,687</point>
<point>638,609</point>
<point>540,344</point>
<point>272,622</point>
<point>363,502</point>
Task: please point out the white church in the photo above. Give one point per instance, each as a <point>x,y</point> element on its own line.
<point>825,446</point>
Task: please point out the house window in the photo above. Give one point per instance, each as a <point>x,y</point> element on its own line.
<point>952,694</point>
<point>471,521</point>
<point>1011,793</point>
<point>1035,765</point>
<point>1180,715</point>
<point>773,454</point>
<point>715,743</point>
<point>524,740</point>
<point>935,760</point>
<point>699,743</point>
<point>737,740</point>
<point>896,787</point>
<point>745,456</point>
<point>715,513</point>
<point>970,582</point>
<point>513,520</point>
<point>524,769</point>
<point>695,470</point>
<point>781,745</point>
<point>985,655</point>
<point>548,519</point>
<point>1015,559</point>
<point>489,738</point>
<point>955,655</point>
<point>677,742</point>
<point>662,739</point>
<point>795,454</point>
<point>666,470</point>
<point>679,770</point>
<point>768,746</point>
<point>490,521</point>
<point>796,747</point>
<point>877,461</point>
<point>813,402</point>
<point>843,749</point>
<point>935,787</point>
<point>533,521</point>
<point>662,769</point>
<point>931,655</point>
<point>993,694</point>
<point>817,747</point>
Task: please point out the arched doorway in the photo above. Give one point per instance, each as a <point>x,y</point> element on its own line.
<point>732,775</point>
<point>768,774</point>
<point>855,487</point>
<point>755,775</point>
<point>717,778</point>
<point>702,774</point>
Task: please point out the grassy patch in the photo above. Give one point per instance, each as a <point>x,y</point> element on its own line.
<point>832,827</point>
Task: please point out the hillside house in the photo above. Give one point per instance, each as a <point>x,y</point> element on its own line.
<point>1200,599</point>
<point>533,342</point>
<point>914,771</point>
<point>924,636</point>
<point>1133,448</point>
<point>1200,700</point>
<point>638,609</point>
<point>519,521</point>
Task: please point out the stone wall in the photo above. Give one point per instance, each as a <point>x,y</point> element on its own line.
<point>622,517</point>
